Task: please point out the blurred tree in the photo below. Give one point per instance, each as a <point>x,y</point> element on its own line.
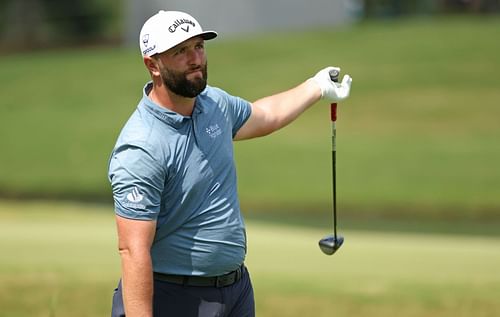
<point>478,6</point>
<point>22,23</point>
<point>395,8</point>
<point>32,24</point>
<point>76,19</point>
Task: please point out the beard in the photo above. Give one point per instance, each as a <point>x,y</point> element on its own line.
<point>178,83</point>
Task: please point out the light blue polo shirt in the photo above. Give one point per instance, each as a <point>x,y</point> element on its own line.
<point>179,170</point>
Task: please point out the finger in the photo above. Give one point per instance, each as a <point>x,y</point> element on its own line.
<point>346,80</point>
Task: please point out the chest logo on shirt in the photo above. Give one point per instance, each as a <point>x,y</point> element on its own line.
<point>135,196</point>
<point>214,131</point>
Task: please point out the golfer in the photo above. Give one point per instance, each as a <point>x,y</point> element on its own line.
<point>181,236</point>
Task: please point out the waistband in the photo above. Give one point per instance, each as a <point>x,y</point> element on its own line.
<point>203,281</point>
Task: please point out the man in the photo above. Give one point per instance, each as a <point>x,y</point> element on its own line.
<point>181,236</point>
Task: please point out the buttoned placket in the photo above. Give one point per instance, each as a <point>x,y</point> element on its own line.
<point>194,124</point>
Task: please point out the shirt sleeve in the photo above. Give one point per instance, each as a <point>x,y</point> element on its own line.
<point>137,181</point>
<point>239,112</point>
<point>236,109</point>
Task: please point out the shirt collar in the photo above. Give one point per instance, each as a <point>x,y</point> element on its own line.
<point>166,115</point>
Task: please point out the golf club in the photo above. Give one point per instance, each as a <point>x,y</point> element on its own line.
<point>332,243</point>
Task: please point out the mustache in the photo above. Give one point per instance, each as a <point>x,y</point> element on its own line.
<point>195,69</point>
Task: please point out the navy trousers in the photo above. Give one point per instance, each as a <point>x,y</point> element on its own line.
<point>236,300</point>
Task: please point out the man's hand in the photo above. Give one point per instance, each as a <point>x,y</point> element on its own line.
<point>330,90</point>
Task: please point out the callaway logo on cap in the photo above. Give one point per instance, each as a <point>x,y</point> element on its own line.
<point>167,29</point>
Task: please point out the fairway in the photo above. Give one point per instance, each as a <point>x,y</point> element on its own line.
<point>60,259</point>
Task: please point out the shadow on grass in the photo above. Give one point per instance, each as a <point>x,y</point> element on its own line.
<point>410,219</point>
<point>388,221</point>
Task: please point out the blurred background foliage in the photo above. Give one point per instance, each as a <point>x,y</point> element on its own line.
<point>38,24</point>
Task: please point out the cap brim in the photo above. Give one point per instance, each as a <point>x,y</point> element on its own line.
<point>208,35</point>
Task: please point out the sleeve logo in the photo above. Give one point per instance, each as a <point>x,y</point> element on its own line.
<point>135,196</point>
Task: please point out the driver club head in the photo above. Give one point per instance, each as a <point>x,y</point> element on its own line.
<point>330,244</point>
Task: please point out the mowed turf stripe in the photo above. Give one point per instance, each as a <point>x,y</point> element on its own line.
<point>58,257</point>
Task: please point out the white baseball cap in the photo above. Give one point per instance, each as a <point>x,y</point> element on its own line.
<point>167,29</point>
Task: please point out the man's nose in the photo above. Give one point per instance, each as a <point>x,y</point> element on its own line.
<point>195,57</point>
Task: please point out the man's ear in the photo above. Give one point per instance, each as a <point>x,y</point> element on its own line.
<point>152,65</point>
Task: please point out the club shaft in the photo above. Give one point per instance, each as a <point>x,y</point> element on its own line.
<point>334,167</point>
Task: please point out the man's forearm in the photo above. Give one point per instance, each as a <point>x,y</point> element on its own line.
<point>286,106</point>
<point>137,284</point>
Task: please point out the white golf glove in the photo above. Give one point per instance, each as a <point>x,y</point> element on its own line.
<point>331,90</point>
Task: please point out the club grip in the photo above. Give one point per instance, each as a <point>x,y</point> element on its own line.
<point>333,111</point>
<point>334,76</point>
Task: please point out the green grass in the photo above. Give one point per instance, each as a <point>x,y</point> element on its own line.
<point>61,259</point>
<point>419,132</point>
